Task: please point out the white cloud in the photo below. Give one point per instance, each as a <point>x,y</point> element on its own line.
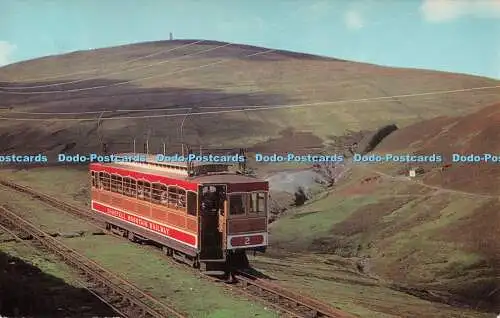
<point>447,10</point>
<point>353,20</point>
<point>6,50</point>
<point>313,11</point>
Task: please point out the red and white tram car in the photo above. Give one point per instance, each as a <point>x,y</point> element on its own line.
<point>198,212</point>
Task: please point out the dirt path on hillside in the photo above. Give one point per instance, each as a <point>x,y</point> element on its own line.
<point>437,188</point>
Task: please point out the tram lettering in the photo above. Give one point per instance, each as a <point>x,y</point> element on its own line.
<point>114,212</point>
<point>132,219</point>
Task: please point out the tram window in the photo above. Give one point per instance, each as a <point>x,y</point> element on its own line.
<point>99,180</point>
<point>116,184</point>
<point>192,202</point>
<point>172,197</point>
<point>253,206</point>
<point>181,199</point>
<point>176,198</point>
<point>106,180</point>
<point>156,193</point>
<point>143,190</point>
<point>126,186</point>
<point>113,183</point>
<point>261,202</point>
<point>163,194</point>
<point>94,181</point>
<point>236,204</point>
<point>129,187</point>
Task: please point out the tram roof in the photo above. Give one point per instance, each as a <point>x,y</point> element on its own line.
<point>153,159</point>
<point>224,177</point>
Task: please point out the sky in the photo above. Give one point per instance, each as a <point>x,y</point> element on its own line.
<point>450,35</point>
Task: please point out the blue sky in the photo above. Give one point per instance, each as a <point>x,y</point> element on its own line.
<point>449,35</point>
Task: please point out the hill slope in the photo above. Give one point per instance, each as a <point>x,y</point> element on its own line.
<point>179,75</point>
<point>473,134</point>
<point>437,233</point>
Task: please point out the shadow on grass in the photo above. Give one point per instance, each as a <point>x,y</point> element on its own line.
<point>90,97</point>
<point>25,291</point>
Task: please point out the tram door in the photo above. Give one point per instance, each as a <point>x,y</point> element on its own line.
<point>212,221</point>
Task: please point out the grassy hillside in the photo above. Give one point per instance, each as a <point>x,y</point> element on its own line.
<point>209,74</point>
<point>435,236</point>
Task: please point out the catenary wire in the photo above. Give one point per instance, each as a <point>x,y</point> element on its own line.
<point>176,107</point>
<point>162,51</point>
<point>265,107</point>
<point>135,80</point>
<point>133,69</point>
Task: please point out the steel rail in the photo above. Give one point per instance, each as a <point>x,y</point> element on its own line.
<point>125,295</point>
<point>281,299</point>
<point>81,283</point>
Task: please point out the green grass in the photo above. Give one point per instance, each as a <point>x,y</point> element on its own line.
<point>71,185</point>
<point>399,239</point>
<point>148,269</point>
<point>401,246</point>
<point>348,290</point>
<point>144,267</point>
<point>42,214</point>
<point>48,263</point>
<point>315,220</point>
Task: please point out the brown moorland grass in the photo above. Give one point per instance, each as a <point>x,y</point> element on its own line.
<point>272,78</point>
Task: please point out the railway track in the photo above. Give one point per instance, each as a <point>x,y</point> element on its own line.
<point>124,298</point>
<point>284,301</point>
<point>289,303</point>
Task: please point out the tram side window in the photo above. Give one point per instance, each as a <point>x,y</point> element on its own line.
<point>181,199</point>
<point>172,197</point>
<point>252,203</point>
<point>106,181</point>
<point>99,181</point>
<point>156,193</point>
<point>113,183</point>
<point>129,187</point>
<point>192,203</point>
<point>164,195</point>
<point>94,180</point>
<point>261,202</point>
<point>116,184</point>
<point>236,204</point>
<point>176,198</point>
<point>144,190</point>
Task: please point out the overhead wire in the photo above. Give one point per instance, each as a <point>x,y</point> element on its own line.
<point>162,51</point>
<point>136,79</point>
<point>112,73</point>
<point>175,107</point>
<point>265,107</point>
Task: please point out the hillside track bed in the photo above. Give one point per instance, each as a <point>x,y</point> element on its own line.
<point>122,296</point>
<point>291,304</point>
<point>287,303</point>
